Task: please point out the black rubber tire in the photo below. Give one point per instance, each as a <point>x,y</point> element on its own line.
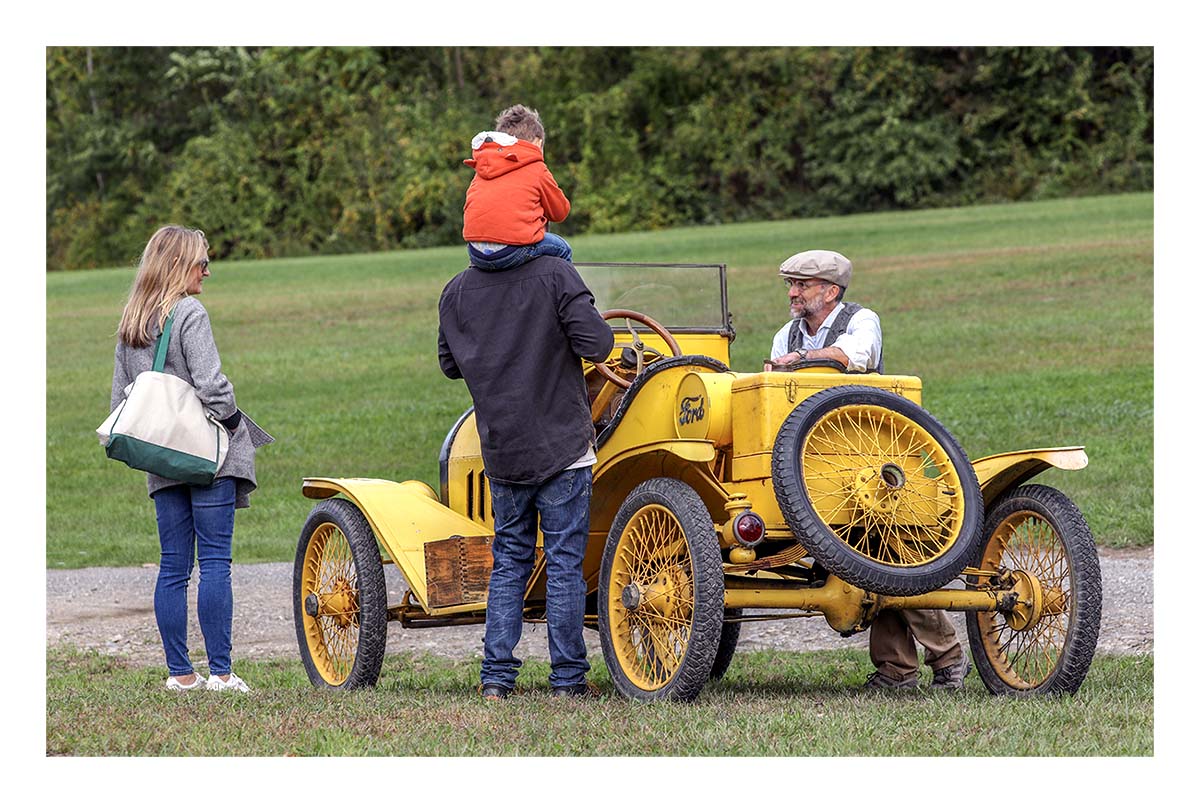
<point>1083,627</point>
<point>822,363</point>
<point>707,582</point>
<point>372,594</point>
<point>730,631</point>
<point>831,552</point>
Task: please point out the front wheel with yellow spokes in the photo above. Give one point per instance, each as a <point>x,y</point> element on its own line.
<point>339,598</point>
<point>1039,545</point>
<point>877,490</point>
<point>662,593</point>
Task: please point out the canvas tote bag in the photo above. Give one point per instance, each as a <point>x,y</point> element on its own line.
<point>162,427</point>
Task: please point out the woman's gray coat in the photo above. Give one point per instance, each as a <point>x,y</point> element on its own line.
<point>192,356</point>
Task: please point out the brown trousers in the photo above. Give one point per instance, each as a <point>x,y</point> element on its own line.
<point>894,651</point>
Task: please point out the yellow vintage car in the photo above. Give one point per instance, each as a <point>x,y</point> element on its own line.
<point>721,498</point>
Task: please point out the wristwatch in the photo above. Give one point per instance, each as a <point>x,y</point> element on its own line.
<point>803,354</point>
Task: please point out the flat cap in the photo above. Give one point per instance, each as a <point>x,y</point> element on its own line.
<point>828,265</point>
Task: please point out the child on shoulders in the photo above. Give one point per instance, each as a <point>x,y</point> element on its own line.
<point>513,195</point>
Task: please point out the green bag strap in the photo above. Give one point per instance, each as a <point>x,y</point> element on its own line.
<point>160,351</point>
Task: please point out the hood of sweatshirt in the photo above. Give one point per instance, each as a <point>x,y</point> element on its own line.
<point>494,153</point>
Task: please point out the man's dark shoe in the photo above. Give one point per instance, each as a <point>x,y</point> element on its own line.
<point>493,692</point>
<point>951,677</point>
<point>878,680</point>
<point>579,690</point>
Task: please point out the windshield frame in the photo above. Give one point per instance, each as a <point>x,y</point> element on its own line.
<point>725,329</point>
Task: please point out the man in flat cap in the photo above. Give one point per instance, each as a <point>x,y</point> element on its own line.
<point>823,327</point>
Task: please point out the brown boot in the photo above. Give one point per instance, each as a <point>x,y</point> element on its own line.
<point>951,678</point>
<point>878,680</point>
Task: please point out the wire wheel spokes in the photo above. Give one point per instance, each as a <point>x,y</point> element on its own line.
<point>1026,657</point>
<point>330,576</point>
<point>651,597</point>
<point>883,485</point>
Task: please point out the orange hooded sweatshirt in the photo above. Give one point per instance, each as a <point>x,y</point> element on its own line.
<point>513,193</point>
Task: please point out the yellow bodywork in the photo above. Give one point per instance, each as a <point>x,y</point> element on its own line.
<point>714,430</point>
<point>405,516</point>
<point>1000,472</point>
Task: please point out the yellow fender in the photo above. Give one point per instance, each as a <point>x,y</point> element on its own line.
<point>617,472</point>
<point>1000,472</point>
<point>404,516</point>
<point>687,460</point>
<point>690,451</point>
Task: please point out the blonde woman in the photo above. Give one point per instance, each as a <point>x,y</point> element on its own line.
<point>193,521</point>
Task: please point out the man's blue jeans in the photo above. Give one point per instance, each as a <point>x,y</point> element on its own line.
<point>564,502</point>
<point>195,520</point>
<point>511,256</point>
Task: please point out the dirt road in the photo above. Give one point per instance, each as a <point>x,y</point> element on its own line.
<point>110,610</point>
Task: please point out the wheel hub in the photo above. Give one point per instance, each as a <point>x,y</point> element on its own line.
<point>875,488</point>
<point>659,596</point>
<point>892,476</point>
<point>1030,605</point>
<point>340,605</point>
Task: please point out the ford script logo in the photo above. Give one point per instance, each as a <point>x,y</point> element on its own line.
<point>691,410</point>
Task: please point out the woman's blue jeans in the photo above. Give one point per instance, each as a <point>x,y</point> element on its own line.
<point>564,502</point>
<point>510,256</point>
<point>195,521</point>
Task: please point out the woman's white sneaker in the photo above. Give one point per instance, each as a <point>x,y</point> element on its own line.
<point>173,684</point>
<point>233,684</point>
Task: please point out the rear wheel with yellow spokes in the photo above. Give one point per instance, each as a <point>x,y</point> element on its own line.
<point>1039,545</point>
<point>661,594</point>
<point>339,598</point>
<point>877,490</point>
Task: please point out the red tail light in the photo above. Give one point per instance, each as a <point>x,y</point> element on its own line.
<point>749,528</point>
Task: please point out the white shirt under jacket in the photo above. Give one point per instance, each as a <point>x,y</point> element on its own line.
<point>862,341</point>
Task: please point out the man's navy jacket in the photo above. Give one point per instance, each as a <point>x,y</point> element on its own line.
<point>516,336</point>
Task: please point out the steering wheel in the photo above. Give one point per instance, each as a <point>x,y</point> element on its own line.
<point>606,368</point>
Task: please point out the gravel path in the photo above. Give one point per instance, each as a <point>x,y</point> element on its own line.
<point>111,610</point>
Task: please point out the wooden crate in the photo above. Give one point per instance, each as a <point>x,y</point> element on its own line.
<point>457,570</point>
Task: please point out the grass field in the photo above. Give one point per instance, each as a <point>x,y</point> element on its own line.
<point>1029,323</point>
<point>769,704</point>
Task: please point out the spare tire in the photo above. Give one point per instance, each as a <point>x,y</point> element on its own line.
<point>877,490</point>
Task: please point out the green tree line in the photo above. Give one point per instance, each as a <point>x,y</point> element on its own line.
<point>295,151</point>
